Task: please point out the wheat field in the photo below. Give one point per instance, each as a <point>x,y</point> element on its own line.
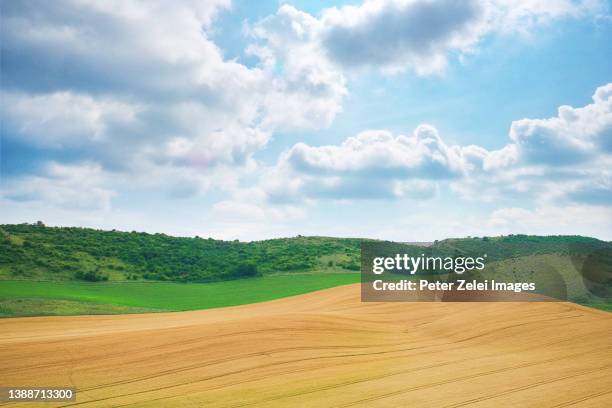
<point>322,349</point>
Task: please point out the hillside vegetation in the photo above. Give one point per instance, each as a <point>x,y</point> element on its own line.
<point>70,271</point>
<point>517,245</point>
<point>34,251</point>
<point>37,252</point>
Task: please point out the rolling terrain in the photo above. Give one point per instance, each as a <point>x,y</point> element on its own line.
<point>321,349</point>
<point>71,271</point>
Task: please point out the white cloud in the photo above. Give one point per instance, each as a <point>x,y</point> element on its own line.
<point>372,164</point>
<point>523,15</point>
<point>415,189</point>
<point>309,88</point>
<point>62,119</point>
<point>574,136</point>
<point>395,35</point>
<point>80,187</point>
<point>139,87</point>
<point>423,154</point>
<point>564,158</point>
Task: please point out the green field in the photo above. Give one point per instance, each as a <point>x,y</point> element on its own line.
<point>29,298</point>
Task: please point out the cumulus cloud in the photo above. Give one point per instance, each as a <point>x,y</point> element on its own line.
<point>373,164</point>
<point>561,158</point>
<point>574,136</point>
<point>423,154</point>
<point>60,119</point>
<point>79,187</point>
<point>114,47</point>
<point>287,47</point>
<point>395,35</point>
<point>140,87</point>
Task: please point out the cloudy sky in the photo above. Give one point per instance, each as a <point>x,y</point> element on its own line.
<point>408,120</point>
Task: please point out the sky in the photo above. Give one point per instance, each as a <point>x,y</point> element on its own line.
<point>407,120</point>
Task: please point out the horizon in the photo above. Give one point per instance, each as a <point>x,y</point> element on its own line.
<point>251,121</point>
<point>414,243</point>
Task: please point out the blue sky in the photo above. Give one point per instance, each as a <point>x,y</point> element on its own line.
<point>395,119</point>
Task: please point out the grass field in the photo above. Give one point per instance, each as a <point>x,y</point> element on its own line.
<point>57,307</point>
<point>29,298</point>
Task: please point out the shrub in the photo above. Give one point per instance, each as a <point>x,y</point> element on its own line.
<point>90,276</point>
<point>245,270</point>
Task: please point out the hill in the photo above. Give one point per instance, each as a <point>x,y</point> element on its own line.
<point>34,251</point>
<point>75,262</point>
<point>517,245</point>
<point>38,252</point>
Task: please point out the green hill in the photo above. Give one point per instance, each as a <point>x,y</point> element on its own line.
<point>37,252</point>
<point>517,245</point>
<point>51,270</point>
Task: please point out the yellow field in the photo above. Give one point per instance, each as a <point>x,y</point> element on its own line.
<point>323,349</point>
